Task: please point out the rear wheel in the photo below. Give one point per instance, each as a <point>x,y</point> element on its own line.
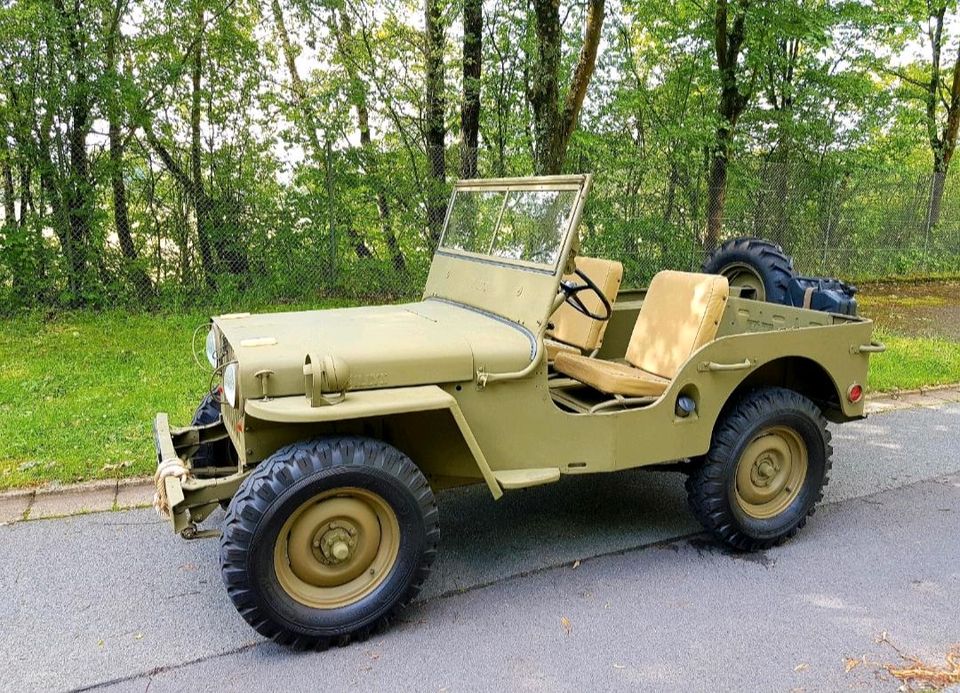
<point>327,539</point>
<point>756,264</point>
<point>765,471</point>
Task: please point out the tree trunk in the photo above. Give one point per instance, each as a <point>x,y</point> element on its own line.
<point>717,188</point>
<point>49,183</point>
<point>121,214</point>
<point>942,145</point>
<point>383,207</point>
<point>308,116</point>
<point>435,131</point>
<point>201,202</point>
<point>553,126</point>
<point>358,94</point>
<point>728,42</point>
<point>470,107</point>
<point>78,192</point>
<point>296,83</point>
<point>9,193</point>
<point>26,196</point>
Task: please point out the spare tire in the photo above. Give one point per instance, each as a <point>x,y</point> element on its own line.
<point>756,264</point>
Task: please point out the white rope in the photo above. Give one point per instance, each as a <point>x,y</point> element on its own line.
<point>167,468</point>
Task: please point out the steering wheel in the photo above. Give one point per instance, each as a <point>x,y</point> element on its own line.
<point>571,291</point>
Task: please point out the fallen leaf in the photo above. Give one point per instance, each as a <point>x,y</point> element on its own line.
<point>565,622</point>
<point>850,664</point>
<point>801,667</point>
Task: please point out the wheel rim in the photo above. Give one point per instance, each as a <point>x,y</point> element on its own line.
<point>771,472</point>
<point>337,548</point>
<point>741,274</point>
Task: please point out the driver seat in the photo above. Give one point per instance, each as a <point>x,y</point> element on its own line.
<point>681,313</point>
<point>573,331</point>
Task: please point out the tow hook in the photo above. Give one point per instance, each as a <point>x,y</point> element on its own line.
<point>192,532</point>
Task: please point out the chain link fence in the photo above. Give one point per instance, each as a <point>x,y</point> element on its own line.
<point>363,224</point>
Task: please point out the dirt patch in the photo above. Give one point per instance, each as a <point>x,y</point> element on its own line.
<point>914,309</point>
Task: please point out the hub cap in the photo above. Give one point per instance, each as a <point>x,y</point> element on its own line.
<point>771,472</point>
<point>337,548</point>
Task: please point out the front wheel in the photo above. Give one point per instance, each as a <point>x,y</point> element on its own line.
<point>765,471</point>
<point>327,539</point>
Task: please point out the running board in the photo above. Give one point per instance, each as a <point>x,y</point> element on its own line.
<point>522,478</point>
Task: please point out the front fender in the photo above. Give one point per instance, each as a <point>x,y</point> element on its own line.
<point>373,404</point>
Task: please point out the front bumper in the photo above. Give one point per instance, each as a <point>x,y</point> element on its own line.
<point>187,495</point>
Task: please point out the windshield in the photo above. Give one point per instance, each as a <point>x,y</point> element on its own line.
<point>525,225</point>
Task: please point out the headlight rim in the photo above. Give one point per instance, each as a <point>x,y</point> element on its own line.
<point>210,347</point>
<point>230,382</point>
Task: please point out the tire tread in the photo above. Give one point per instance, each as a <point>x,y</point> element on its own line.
<point>267,481</point>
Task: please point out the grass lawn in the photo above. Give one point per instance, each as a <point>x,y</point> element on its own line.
<point>78,393</point>
<point>912,362</point>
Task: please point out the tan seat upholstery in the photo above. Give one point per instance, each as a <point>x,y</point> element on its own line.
<point>610,376</point>
<point>681,313</point>
<point>554,348</point>
<point>572,330</point>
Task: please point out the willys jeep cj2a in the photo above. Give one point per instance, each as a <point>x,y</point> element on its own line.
<point>328,432</point>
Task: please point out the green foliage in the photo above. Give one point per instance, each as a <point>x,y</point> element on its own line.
<point>271,188</point>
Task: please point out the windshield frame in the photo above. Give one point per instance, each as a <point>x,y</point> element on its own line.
<point>577,183</point>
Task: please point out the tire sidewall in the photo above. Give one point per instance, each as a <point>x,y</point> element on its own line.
<point>765,258</point>
<point>768,528</point>
<point>300,618</point>
<point>774,293</point>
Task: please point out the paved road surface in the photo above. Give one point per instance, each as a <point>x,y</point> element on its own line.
<point>115,599</point>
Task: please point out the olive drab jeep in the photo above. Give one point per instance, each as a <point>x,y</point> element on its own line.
<point>327,433</point>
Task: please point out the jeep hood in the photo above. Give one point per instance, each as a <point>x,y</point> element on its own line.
<point>432,341</point>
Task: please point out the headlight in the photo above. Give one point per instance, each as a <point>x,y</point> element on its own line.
<point>230,384</point>
<point>211,348</point>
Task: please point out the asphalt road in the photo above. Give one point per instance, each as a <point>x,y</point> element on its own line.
<point>115,599</point>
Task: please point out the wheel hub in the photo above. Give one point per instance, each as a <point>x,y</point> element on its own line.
<point>336,547</point>
<point>742,274</point>
<point>335,542</point>
<point>764,470</point>
<point>771,472</point>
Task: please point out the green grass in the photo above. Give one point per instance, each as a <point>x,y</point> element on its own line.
<point>78,392</point>
<point>912,362</point>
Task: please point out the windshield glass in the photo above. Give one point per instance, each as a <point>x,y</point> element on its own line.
<point>525,225</point>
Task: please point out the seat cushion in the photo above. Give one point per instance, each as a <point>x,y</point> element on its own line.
<point>554,348</point>
<point>570,326</point>
<point>680,313</point>
<point>609,376</point>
